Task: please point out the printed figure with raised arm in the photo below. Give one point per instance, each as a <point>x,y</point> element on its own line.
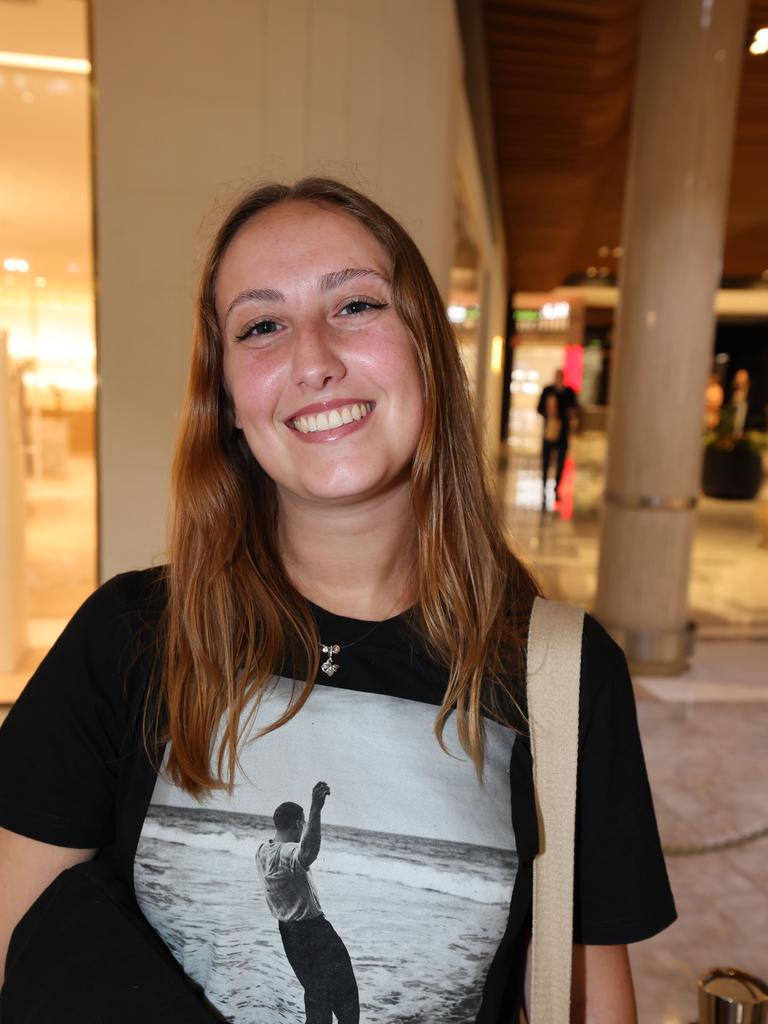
<point>317,955</point>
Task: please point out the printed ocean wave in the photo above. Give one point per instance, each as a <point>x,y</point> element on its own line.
<point>487,884</point>
<point>468,885</point>
<point>225,842</point>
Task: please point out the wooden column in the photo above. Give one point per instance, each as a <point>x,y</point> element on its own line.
<point>684,111</point>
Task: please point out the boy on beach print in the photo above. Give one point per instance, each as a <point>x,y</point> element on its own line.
<point>317,955</point>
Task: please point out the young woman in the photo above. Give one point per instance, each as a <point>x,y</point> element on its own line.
<point>340,605</point>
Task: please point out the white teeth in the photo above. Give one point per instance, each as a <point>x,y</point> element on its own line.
<point>335,418</point>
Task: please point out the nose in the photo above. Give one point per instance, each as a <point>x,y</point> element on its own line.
<point>316,359</point>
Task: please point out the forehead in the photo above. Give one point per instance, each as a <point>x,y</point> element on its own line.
<point>293,243</point>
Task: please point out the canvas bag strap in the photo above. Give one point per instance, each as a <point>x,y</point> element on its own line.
<point>554,671</point>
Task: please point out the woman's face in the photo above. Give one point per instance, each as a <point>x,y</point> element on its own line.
<point>320,368</point>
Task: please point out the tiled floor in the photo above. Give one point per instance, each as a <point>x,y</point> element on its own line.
<point>704,732</point>
<point>729,578</point>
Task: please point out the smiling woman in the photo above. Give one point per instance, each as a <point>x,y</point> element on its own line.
<point>329,503</point>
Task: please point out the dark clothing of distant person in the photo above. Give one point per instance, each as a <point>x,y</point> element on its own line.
<point>555,405</point>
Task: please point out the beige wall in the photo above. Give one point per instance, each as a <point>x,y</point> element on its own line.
<point>195,100</point>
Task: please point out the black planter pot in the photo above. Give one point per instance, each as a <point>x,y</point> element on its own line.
<point>732,473</point>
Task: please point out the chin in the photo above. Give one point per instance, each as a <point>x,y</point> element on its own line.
<point>346,490</point>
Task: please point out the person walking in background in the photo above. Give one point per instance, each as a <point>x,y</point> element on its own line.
<point>559,407</point>
<point>317,955</point>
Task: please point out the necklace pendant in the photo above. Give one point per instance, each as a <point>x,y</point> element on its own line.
<point>328,666</point>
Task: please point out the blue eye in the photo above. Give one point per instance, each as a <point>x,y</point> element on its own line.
<point>355,306</point>
<point>259,329</point>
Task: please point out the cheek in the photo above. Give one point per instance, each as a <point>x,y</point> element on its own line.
<point>252,386</point>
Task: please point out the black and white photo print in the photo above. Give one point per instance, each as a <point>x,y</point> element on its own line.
<point>357,873</point>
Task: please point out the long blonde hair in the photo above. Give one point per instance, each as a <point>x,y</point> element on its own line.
<point>232,612</point>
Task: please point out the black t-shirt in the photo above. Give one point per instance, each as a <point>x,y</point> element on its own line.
<point>566,400</point>
<point>423,876</point>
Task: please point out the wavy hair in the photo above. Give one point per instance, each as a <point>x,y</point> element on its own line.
<point>232,612</point>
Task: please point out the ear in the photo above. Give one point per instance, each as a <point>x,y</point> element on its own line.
<point>238,421</point>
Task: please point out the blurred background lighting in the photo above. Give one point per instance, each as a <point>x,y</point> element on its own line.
<point>40,62</point>
<point>457,314</point>
<point>555,310</point>
<point>15,265</point>
<point>497,354</point>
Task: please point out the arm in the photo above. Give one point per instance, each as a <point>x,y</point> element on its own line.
<point>27,867</point>
<point>601,986</point>
<point>309,847</point>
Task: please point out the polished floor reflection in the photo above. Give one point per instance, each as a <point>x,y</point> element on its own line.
<point>729,576</point>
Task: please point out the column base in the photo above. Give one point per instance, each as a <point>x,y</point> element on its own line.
<point>656,652</point>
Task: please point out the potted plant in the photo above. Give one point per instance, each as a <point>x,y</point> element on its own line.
<point>733,464</point>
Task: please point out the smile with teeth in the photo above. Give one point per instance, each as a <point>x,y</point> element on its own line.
<point>335,418</point>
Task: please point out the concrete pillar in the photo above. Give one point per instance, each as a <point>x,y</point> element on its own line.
<point>194,102</point>
<point>684,110</point>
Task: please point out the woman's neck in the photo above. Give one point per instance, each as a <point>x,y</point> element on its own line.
<point>356,561</point>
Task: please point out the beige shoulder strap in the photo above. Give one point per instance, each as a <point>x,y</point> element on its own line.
<point>554,670</point>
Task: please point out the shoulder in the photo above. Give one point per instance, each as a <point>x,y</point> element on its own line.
<point>606,697</point>
<point>136,592</point>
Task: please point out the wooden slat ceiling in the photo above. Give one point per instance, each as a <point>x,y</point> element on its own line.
<point>561,77</point>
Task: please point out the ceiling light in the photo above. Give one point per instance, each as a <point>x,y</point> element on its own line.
<point>41,281</point>
<point>16,265</point>
<point>40,62</point>
<point>457,314</point>
<point>603,272</point>
<point>603,251</point>
<point>759,44</point>
<point>617,252</point>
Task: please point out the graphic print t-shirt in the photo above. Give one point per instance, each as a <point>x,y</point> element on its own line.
<point>417,859</point>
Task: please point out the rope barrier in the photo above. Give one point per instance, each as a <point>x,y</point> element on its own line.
<point>729,843</point>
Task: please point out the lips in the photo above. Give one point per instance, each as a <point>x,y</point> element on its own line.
<point>330,418</point>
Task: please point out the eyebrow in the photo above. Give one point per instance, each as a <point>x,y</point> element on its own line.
<point>327,283</point>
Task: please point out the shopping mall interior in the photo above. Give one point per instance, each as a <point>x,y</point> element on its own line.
<point>587,182</point>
